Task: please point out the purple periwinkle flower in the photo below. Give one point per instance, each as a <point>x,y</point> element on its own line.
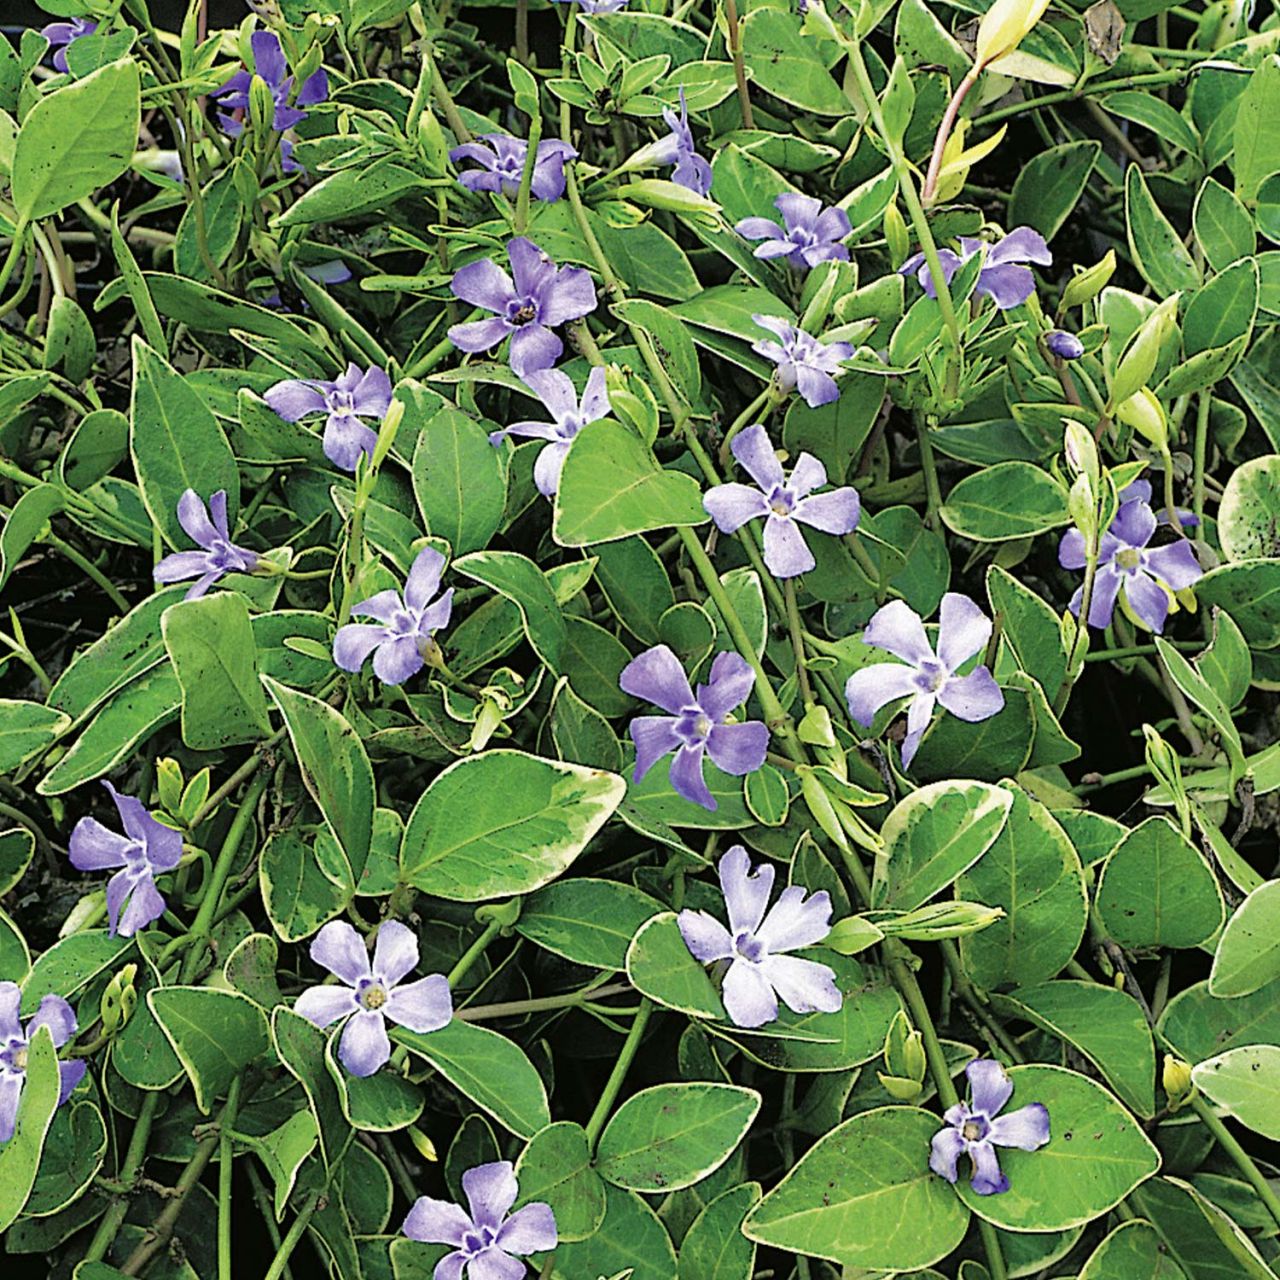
<point>56,1014</point>
<point>269,65</point>
<point>62,35</point>
<point>783,503</point>
<point>598,6</point>
<point>1066,346</point>
<point>678,149</point>
<point>976,1128</point>
<point>756,942</point>
<point>147,849</point>
<point>556,391</point>
<point>207,528</point>
<point>1148,576</point>
<point>351,397</point>
<point>1003,278</point>
<point>403,638</point>
<point>489,1241</point>
<point>373,992</point>
<point>502,158</point>
<point>804,363</point>
<point>928,678</point>
<point>541,297</point>
<point>696,725</point>
<point>811,234</point>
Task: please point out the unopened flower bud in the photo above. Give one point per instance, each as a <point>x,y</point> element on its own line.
<point>815,728</point>
<point>1080,449</point>
<point>423,1145</point>
<point>119,999</point>
<point>1176,1079</point>
<point>1089,283</point>
<point>262,107</point>
<point>431,142</point>
<point>1066,346</point>
<point>1145,414</point>
<point>896,236</point>
<point>853,934</point>
<point>941,920</point>
<point>169,783</point>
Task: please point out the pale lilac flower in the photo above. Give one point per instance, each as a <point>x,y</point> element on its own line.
<point>404,636</point>
<point>373,992</point>
<point>811,233</point>
<point>1003,278</point>
<point>678,149</point>
<point>488,1242</point>
<point>351,397</point>
<point>696,725</point>
<point>756,942</point>
<point>783,503</point>
<point>62,35</point>
<point>541,297</point>
<point>1066,346</point>
<point>502,158</point>
<point>598,6</point>
<point>804,362</point>
<point>208,530</point>
<point>269,65</point>
<point>929,678</point>
<point>976,1128</point>
<point>556,391</point>
<point>56,1014</point>
<point>147,849</point>
<point>1148,576</point>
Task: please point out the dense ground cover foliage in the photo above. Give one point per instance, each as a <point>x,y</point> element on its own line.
<point>641,640</point>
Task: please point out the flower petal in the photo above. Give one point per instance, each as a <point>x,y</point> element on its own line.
<point>341,950</point>
<point>194,519</point>
<point>595,396</point>
<point>873,687</point>
<point>755,453</point>
<point>355,642</point>
<point>483,284</point>
<point>1023,244</point>
<point>495,1264</point>
<point>805,986</point>
<point>421,1006</point>
<point>94,847</point>
<point>656,676</point>
<point>738,749</point>
<point>479,335</point>
<point>836,512</point>
<point>396,661</point>
<point>570,296</point>
<point>987,1178</point>
<point>687,780</point>
<point>326,1003</point>
<point>919,713</point>
<point>707,939</point>
<point>531,1229</point>
<point>145,904</point>
<point>761,229</point>
<point>748,998</point>
<point>1135,523</point>
<point>786,553</point>
<point>365,1047</point>
<point>1176,565</point>
<point>989,1086</point>
<point>69,1076</point>
<point>728,685</point>
<point>945,1150</point>
<point>732,505</point>
<point>345,439</point>
<point>436,1222</point>
<point>746,892</point>
<point>424,578</point>
<point>491,1190</point>
<point>554,388</point>
<point>295,399</point>
<point>534,347</point>
<point>180,566</point>
<point>817,388</point>
<point>1027,1128</point>
<point>395,953</point>
<point>268,57</point>
<point>372,395</point>
<point>547,467</point>
<point>973,697</point>
<point>963,630</point>
<point>1148,600</point>
<point>796,920</point>
<point>10,1094</point>
<point>897,629</point>
<point>56,1014</point>
<point>654,737</point>
<point>10,1003</point>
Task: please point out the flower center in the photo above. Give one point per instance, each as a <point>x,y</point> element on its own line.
<point>374,996</point>
<point>802,237</point>
<point>342,402</point>
<point>931,676</point>
<point>1128,558</point>
<point>975,1129</point>
<point>748,946</point>
<point>781,501</point>
<point>403,623</point>
<point>522,311</point>
<point>478,1239</point>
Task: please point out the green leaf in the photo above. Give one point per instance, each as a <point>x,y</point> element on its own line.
<point>380,1103</point>
<point>177,445</point>
<point>714,1247</point>
<point>26,524</point>
<point>1104,1024</point>
<point>863,1196</point>
<point>1223,227</point>
<point>1133,1249</point>
<point>15,959</point>
<point>73,1152</point>
<point>933,835</point>
<point>1097,1155</point>
<point>587,921</point>
<point>1203,694</point>
<point>70,964</point>
<point>284,1151</point>
<point>1049,186</point>
<point>556,1168</point>
<point>581,734</point>
<point>1031,627</point>
<point>17,846</point>
<point>835,433</point>
<point>20,1156</point>
<point>1223,310</point>
<point>216,1034</point>
<point>1254,137</point>
<point>211,644</point>
<point>504,823</point>
<point>660,966</point>
<point>635,584</point>
<point>1007,501</point>
<point>1248,954</point>
<point>334,767</point>
<point>1203,1241</point>
<point>786,65</point>
<point>491,1070</point>
<point>453,458</point>
<point>1157,891</point>
<point>631,1242</point>
<point>1247,525</point>
<point>26,730</point>
<point>302,884</point>
<point>521,581</point>
<point>301,1046</point>
<point>1033,872</point>
<point>1249,591</point>
<point>75,140</point>
<point>100,443</point>
<point>673,1135</point>
<point>1245,1083</point>
<point>1157,249</point>
<point>611,487</point>
<point>671,341</point>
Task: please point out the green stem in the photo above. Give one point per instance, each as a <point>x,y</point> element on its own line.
<point>266,1211</point>
<point>539,1004</point>
<point>1074,95</point>
<point>1239,1156</point>
<point>15,252</point>
<point>1201,454</point>
<point>280,1263</point>
<point>797,641</point>
<point>745,418</point>
<point>933,493</point>
<point>128,1176</point>
<point>613,1085</point>
<point>473,952</point>
<point>739,67</point>
<point>90,570</point>
<point>226,1161</point>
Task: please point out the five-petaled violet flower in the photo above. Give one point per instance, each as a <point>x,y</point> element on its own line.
<point>804,363</point>
<point>147,849</point>
<point>501,159</point>
<point>351,397</point>
<point>402,639</point>
<point>526,309</point>
<point>678,149</point>
<point>488,1242</point>
<point>976,1128</point>
<point>1148,576</point>
<point>373,992</point>
<point>928,678</point>
<point>1064,345</point>
<point>218,554</point>
<point>1003,277</point>
<point>811,234</point>
<point>556,391</point>
<point>756,942</point>
<point>696,725</point>
<point>783,503</point>
<point>15,1040</point>
<point>269,65</point>
<point>62,35</point>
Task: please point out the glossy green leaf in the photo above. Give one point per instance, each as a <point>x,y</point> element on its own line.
<point>660,966</point>
<point>587,921</point>
<point>714,1247</point>
<point>556,1168</point>
<point>1157,249</point>
<point>1007,501</point>
<point>521,581</point>
<point>1248,954</point>
<point>630,1242</point>
<point>26,730</point>
<point>1196,1234</point>
<point>20,1156</point>
<point>1245,1083</point>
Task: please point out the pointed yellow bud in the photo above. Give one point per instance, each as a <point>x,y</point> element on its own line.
<point>1003,27</point>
